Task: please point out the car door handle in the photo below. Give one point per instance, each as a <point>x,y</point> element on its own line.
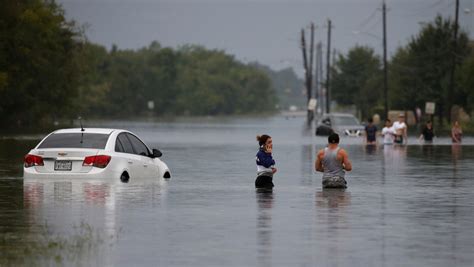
<point>145,165</point>
<point>130,162</point>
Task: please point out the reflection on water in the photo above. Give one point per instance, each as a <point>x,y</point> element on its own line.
<point>456,152</point>
<point>332,207</point>
<point>371,149</point>
<point>307,164</point>
<point>264,226</point>
<point>333,198</point>
<point>59,207</point>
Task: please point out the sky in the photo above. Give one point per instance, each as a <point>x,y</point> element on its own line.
<point>267,31</point>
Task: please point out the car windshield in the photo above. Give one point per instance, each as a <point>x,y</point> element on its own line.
<point>343,120</point>
<point>75,140</point>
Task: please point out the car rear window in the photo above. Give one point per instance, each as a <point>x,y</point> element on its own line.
<point>75,140</point>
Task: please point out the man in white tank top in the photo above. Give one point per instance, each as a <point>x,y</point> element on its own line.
<point>400,129</point>
<point>333,161</point>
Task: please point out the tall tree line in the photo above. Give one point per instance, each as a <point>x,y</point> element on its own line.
<point>190,80</point>
<point>418,73</point>
<point>49,71</point>
<point>38,68</point>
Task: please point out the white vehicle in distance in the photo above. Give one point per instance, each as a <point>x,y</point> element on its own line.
<point>94,153</point>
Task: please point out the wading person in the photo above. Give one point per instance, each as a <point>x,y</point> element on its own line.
<point>371,132</point>
<point>333,162</point>
<point>401,129</point>
<point>428,133</point>
<point>388,133</point>
<point>456,132</point>
<point>265,162</point>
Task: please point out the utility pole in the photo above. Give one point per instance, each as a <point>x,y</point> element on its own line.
<point>321,97</point>
<point>308,67</point>
<point>328,69</point>
<point>318,76</point>
<point>385,71</point>
<point>453,66</point>
<point>310,75</point>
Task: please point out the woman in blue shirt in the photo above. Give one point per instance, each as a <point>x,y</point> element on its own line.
<point>265,162</point>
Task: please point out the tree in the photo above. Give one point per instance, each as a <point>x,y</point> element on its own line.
<point>288,88</point>
<point>356,80</point>
<point>37,65</point>
<point>420,71</point>
<point>93,84</point>
<point>465,77</point>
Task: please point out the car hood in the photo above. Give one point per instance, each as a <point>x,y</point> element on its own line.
<point>349,127</point>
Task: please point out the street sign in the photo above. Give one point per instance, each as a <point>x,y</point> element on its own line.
<point>151,105</point>
<point>430,108</point>
<point>312,104</point>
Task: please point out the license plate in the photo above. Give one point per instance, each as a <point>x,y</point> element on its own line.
<point>62,165</point>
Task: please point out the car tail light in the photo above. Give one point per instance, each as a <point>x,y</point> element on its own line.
<point>33,160</point>
<point>99,161</point>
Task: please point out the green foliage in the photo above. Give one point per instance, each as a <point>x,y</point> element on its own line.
<point>37,76</point>
<point>420,72</point>
<point>82,247</point>
<point>465,77</point>
<point>49,71</point>
<point>288,87</point>
<point>356,80</point>
<point>188,81</point>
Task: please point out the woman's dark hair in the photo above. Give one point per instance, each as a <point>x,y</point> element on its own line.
<point>262,139</point>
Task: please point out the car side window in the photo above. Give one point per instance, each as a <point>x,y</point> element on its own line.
<point>119,146</point>
<point>127,146</point>
<point>139,147</point>
<point>327,121</point>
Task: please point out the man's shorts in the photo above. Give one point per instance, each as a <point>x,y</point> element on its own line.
<point>334,182</point>
<point>398,139</point>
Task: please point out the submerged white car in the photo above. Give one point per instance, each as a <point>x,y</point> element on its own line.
<point>94,153</point>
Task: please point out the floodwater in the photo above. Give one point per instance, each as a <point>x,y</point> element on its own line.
<point>404,206</point>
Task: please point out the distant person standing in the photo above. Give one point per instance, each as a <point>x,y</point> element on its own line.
<point>456,132</point>
<point>400,129</point>
<point>428,133</point>
<point>388,133</point>
<point>371,132</point>
<point>265,162</point>
<point>333,161</point>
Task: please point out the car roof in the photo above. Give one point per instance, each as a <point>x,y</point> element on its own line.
<point>88,130</point>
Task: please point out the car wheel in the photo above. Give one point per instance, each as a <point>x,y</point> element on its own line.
<point>124,178</point>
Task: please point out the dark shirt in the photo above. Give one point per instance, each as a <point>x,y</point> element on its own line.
<point>428,134</point>
<point>371,131</point>
<point>265,159</point>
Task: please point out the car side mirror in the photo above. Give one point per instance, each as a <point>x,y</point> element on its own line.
<point>157,153</point>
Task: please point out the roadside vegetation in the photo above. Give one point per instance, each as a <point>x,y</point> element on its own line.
<point>50,72</point>
<point>419,72</point>
<point>42,246</point>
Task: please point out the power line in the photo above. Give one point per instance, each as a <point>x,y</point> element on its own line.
<point>368,19</point>
<point>427,10</point>
<point>430,6</point>
<point>377,23</point>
